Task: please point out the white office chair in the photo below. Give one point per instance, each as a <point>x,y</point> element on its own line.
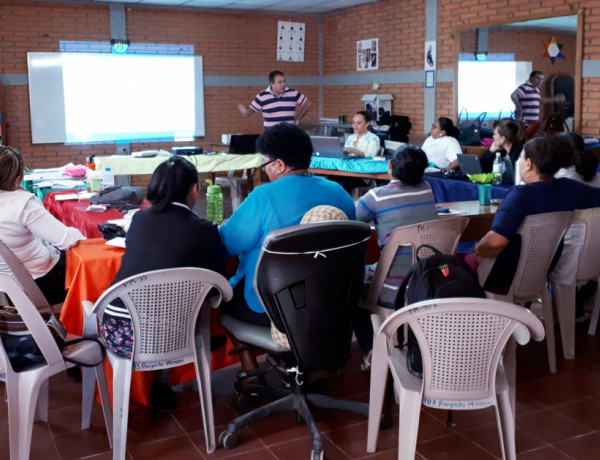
<point>461,342</point>
<point>164,306</point>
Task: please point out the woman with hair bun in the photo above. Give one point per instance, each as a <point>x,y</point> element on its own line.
<point>442,147</point>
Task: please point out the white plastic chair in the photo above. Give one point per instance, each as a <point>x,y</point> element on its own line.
<point>26,387</point>
<point>443,234</point>
<point>461,342</point>
<point>164,306</point>
<point>587,269</point>
<point>540,236</point>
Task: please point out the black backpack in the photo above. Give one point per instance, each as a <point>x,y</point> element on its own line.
<point>435,277</point>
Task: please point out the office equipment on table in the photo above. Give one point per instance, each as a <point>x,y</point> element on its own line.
<point>390,147</point>
<point>469,164</point>
<point>325,146</point>
<point>243,143</point>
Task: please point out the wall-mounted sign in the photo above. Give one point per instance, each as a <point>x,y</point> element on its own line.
<point>367,54</point>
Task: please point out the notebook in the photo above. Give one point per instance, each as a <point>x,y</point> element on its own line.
<point>242,144</point>
<point>329,147</point>
<point>469,164</point>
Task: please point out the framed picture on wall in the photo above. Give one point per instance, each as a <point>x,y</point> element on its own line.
<point>367,54</point>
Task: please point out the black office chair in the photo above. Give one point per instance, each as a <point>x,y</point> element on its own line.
<point>309,279</point>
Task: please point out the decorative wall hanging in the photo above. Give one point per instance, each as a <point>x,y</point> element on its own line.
<point>553,50</point>
<point>290,41</point>
<point>367,54</point>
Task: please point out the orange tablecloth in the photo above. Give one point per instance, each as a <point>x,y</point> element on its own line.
<point>91,267</point>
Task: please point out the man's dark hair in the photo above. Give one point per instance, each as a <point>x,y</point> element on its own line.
<point>288,143</point>
<point>534,74</point>
<point>273,74</point>
<point>408,164</point>
<point>171,182</point>
<point>547,153</point>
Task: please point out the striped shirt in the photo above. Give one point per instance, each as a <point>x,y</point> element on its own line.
<point>530,102</point>
<point>277,109</point>
<point>390,206</point>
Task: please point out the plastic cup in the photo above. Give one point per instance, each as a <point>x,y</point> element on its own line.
<point>485,193</point>
<point>95,184</point>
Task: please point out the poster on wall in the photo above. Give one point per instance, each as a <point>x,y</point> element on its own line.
<point>367,54</point>
<point>290,41</point>
<point>430,55</point>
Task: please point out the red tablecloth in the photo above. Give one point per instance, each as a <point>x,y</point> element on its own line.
<point>73,213</point>
<point>91,267</point>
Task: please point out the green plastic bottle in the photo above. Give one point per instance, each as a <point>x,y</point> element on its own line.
<point>214,202</point>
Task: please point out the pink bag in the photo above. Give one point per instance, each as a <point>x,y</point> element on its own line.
<point>487,142</point>
<point>74,170</point>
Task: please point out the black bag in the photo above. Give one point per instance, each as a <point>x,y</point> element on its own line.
<point>119,196</point>
<point>20,346</point>
<point>110,231</point>
<point>470,130</point>
<point>436,277</point>
<point>399,127</point>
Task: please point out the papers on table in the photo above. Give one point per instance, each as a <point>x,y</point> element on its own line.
<point>119,222</point>
<point>452,212</point>
<point>118,242</point>
<point>74,196</point>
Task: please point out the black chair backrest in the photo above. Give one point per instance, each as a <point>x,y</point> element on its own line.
<point>309,279</point>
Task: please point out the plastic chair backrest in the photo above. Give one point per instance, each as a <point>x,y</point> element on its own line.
<point>461,341</point>
<point>23,277</point>
<point>309,279</point>
<point>164,306</point>
<point>33,320</point>
<point>540,236</point>
<point>589,256</point>
<point>443,234</point>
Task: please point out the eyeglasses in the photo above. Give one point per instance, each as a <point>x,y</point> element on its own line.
<point>435,127</point>
<point>264,165</point>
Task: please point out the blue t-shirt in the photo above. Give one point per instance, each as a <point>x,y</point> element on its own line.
<point>540,197</point>
<point>529,199</point>
<point>270,207</point>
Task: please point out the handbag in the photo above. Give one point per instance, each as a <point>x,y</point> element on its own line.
<point>20,346</point>
<point>118,196</point>
<point>470,129</point>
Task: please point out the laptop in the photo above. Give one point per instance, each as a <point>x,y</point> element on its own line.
<point>243,144</point>
<point>390,148</point>
<point>469,164</point>
<point>327,147</point>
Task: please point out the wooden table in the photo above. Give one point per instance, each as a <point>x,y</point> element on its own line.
<point>480,217</point>
<point>91,268</point>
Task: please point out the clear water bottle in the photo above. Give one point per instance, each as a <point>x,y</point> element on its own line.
<point>214,202</point>
<point>108,178</point>
<point>497,169</point>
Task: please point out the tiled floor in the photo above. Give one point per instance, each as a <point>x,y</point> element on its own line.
<point>558,417</point>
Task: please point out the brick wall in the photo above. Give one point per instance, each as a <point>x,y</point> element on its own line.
<point>243,44</point>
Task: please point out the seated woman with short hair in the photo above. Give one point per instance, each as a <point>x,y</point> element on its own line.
<point>541,158</point>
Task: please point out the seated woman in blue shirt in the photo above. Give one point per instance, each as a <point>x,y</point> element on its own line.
<point>540,159</point>
<point>292,191</point>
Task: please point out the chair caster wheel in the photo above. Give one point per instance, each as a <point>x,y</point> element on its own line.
<point>228,440</point>
<point>316,455</point>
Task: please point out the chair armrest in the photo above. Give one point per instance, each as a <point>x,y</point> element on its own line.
<point>485,268</point>
<point>90,323</point>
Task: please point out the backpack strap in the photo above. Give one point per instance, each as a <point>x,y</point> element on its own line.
<point>427,248</point>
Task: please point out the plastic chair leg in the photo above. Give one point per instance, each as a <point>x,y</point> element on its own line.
<point>379,368</point>
<point>595,315</point>
<point>22,401</point>
<point>88,385</point>
<point>410,411</point>
<point>549,329</point>
<point>506,426</point>
<point>564,296</point>
<point>105,399</point>
<point>121,389</point>
<point>41,412</point>
<point>204,386</point>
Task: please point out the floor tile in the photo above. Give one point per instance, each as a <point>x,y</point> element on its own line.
<point>550,426</point>
<point>452,446</point>
<point>585,447</point>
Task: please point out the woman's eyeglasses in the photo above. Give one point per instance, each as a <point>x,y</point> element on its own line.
<point>264,165</point>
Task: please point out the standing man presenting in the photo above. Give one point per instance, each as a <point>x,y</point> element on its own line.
<point>278,103</point>
<point>527,99</point>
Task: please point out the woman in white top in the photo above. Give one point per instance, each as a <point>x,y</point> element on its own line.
<point>34,236</point>
<point>583,170</point>
<point>363,143</point>
<point>441,147</point>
